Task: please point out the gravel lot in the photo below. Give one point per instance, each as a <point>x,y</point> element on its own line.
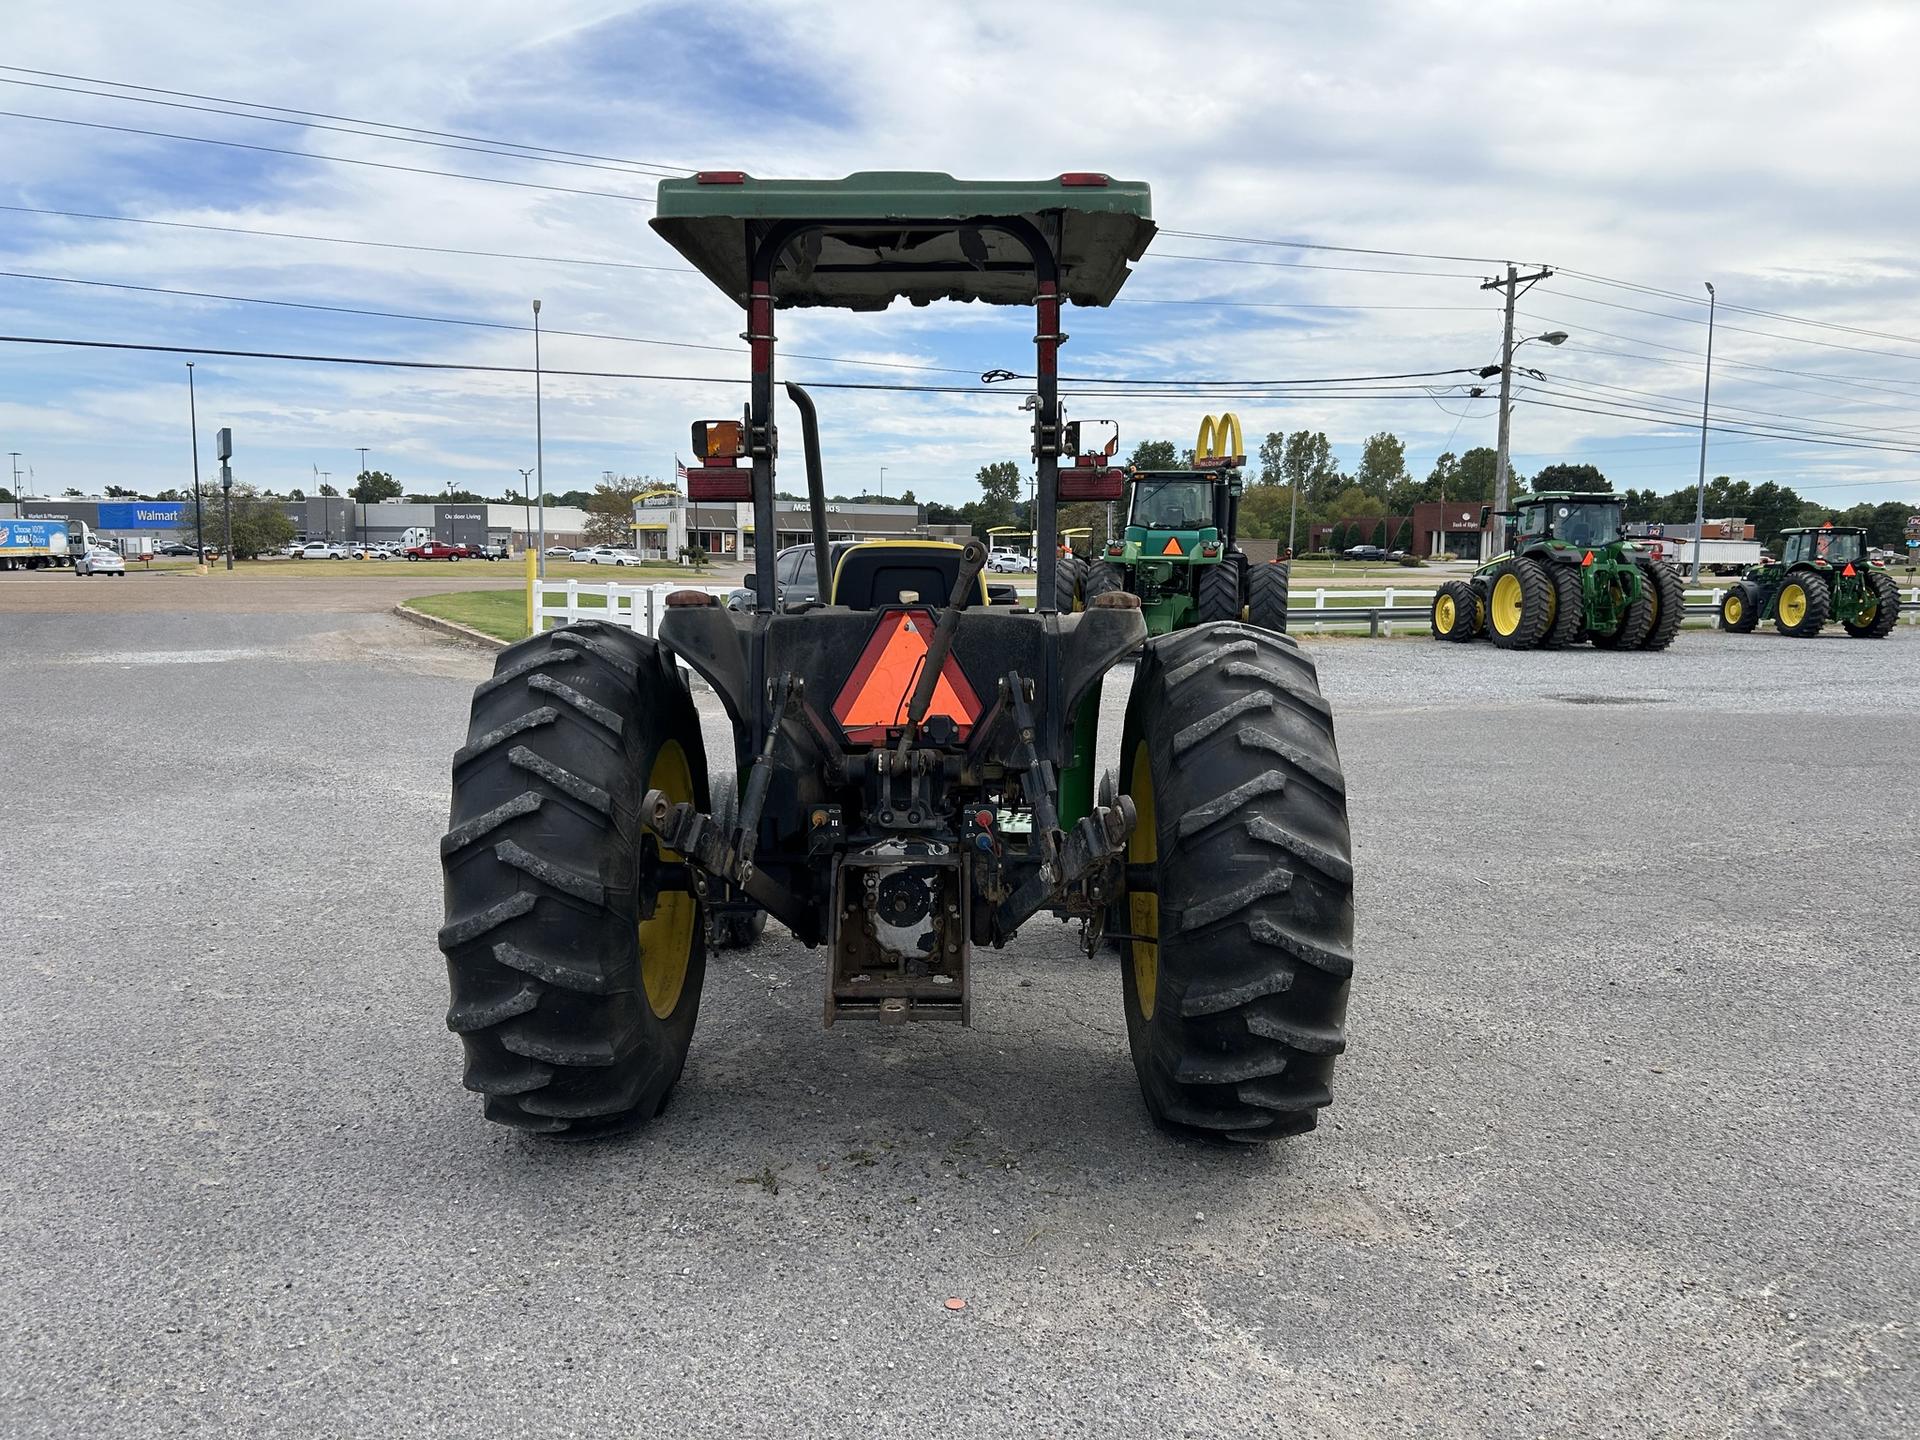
<point>1627,1141</point>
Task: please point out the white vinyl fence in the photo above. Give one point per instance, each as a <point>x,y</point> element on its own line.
<point>638,607</point>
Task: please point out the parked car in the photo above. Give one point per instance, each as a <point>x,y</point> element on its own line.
<point>173,549</point>
<point>437,550</point>
<point>559,552</point>
<point>321,550</point>
<point>607,555</point>
<point>1003,561</point>
<point>1363,552</point>
<point>492,551</point>
<point>98,561</point>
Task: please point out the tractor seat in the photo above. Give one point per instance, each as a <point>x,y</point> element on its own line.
<point>878,573</point>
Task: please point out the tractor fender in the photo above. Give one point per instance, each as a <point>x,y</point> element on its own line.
<point>1093,642</point>
<point>714,642</point>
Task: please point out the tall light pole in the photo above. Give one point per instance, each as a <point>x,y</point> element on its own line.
<point>358,481</point>
<point>1700,493</point>
<point>16,483</point>
<point>193,423</point>
<point>526,505</point>
<point>539,446</point>
<point>883,482</point>
<point>326,510</point>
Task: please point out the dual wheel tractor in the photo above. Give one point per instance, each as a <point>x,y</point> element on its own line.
<point>1568,575</point>
<point>1822,575</point>
<point>1180,553</point>
<point>914,771</point>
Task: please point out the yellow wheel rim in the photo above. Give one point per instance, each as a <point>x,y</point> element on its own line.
<point>1793,604</point>
<point>666,941</point>
<point>1444,614</point>
<point>1143,906</point>
<point>1509,599</point>
<point>1867,611</point>
<point>1732,609</point>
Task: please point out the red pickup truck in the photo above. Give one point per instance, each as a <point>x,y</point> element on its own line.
<point>438,550</point>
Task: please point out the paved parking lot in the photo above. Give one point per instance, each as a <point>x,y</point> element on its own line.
<point>1627,1142</point>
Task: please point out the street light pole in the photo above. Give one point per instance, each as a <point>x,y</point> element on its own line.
<point>1700,492</point>
<point>1511,285</point>
<point>361,480</point>
<point>526,505</point>
<point>883,482</point>
<point>193,423</point>
<point>539,446</point>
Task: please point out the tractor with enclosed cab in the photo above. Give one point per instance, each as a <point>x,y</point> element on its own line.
<point>1180,553</point>
<point>1567,574</point>
<point>1823,574</point>
<point>912,775</point>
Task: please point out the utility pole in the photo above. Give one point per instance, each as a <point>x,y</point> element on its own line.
<point>199,534</point>
<point>1512,285</point>
<point>1293,512</point>
<point>883,482</point>
<point>1700,494</point>
<point>17,503</point>
<point>326,510</point>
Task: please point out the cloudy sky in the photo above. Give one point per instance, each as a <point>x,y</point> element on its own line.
<point>1640,149</point>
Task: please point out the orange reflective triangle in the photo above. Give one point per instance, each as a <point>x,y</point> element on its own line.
<point>878,692</point>
<point>1173,546</point>
<point>1589,559</point>
<point>1849,569</point>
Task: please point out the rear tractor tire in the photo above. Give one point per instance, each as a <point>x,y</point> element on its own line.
<point>1218,595</point>
<point>1520,603</point>
<point>1669,597</point>
<point>1740,608</point>
<point>1877,623</point>
<point>575,971</point>
<point>1267,596</point>
<point>1101,578</point>
<point>1456,612</point>
<point>1068,583</point>
<point>1803,605</point>
<point>1237,911</point>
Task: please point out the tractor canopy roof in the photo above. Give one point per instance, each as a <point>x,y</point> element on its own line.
<point>1823,530</point>
<point>1561,497</point>
<point>882,235</point>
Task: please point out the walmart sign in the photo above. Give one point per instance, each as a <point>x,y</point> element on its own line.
<point>142,515</point>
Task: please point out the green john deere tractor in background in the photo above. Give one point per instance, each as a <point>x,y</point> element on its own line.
<point>1179,552</point>
<point>915,766</point>
<point>1822,575</point>
<point>1567,575</point>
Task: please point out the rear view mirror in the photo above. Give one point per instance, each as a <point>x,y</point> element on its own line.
<point>1093,437</point>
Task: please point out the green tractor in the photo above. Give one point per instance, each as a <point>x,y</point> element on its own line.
<point>913,768</point>
<point>1822,575</point>
<point>1179,553</point>
<point>1567,575</point>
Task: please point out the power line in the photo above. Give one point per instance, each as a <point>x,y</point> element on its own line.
<point>1696,366</point>
<point>348,119</point>
<point>1828,422</point>
<point>1664,418</point>
<point>1289,305</point>
<point>1296,265</point>
<point>1865,382</point>
<point>1742,309</point>
<point>342,240</point>
<point>457,320</point>
<point>1308,245</point>
<point>1732,329</point>
<point>335,129</point>
<point>330,159</point>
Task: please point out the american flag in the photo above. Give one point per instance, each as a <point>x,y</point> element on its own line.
<point>679,468</point>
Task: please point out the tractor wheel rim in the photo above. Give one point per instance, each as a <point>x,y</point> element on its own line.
<point>666,941</point>
<point>1443,613</point>
<point>1793,604</point>
<point>1143,906</point>
<point>1732,609</point>
<point>1509,602</point>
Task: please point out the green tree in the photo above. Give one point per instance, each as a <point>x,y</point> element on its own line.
<point>1273,451</point>
<point>259,525</point>
<point>116,492</point>
<point>373,486</point>
<point>1155,455</point>
<point>1383,465</point>
<point>610,509</point>
<point>1474,476</point>
<point>1584,479</point>
<point>1263,511</point>
<point>1307,462</point>
<point>329,490</point>
<point>1000,485</point>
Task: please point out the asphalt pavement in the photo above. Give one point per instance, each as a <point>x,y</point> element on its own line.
<point>1626,1142</point>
